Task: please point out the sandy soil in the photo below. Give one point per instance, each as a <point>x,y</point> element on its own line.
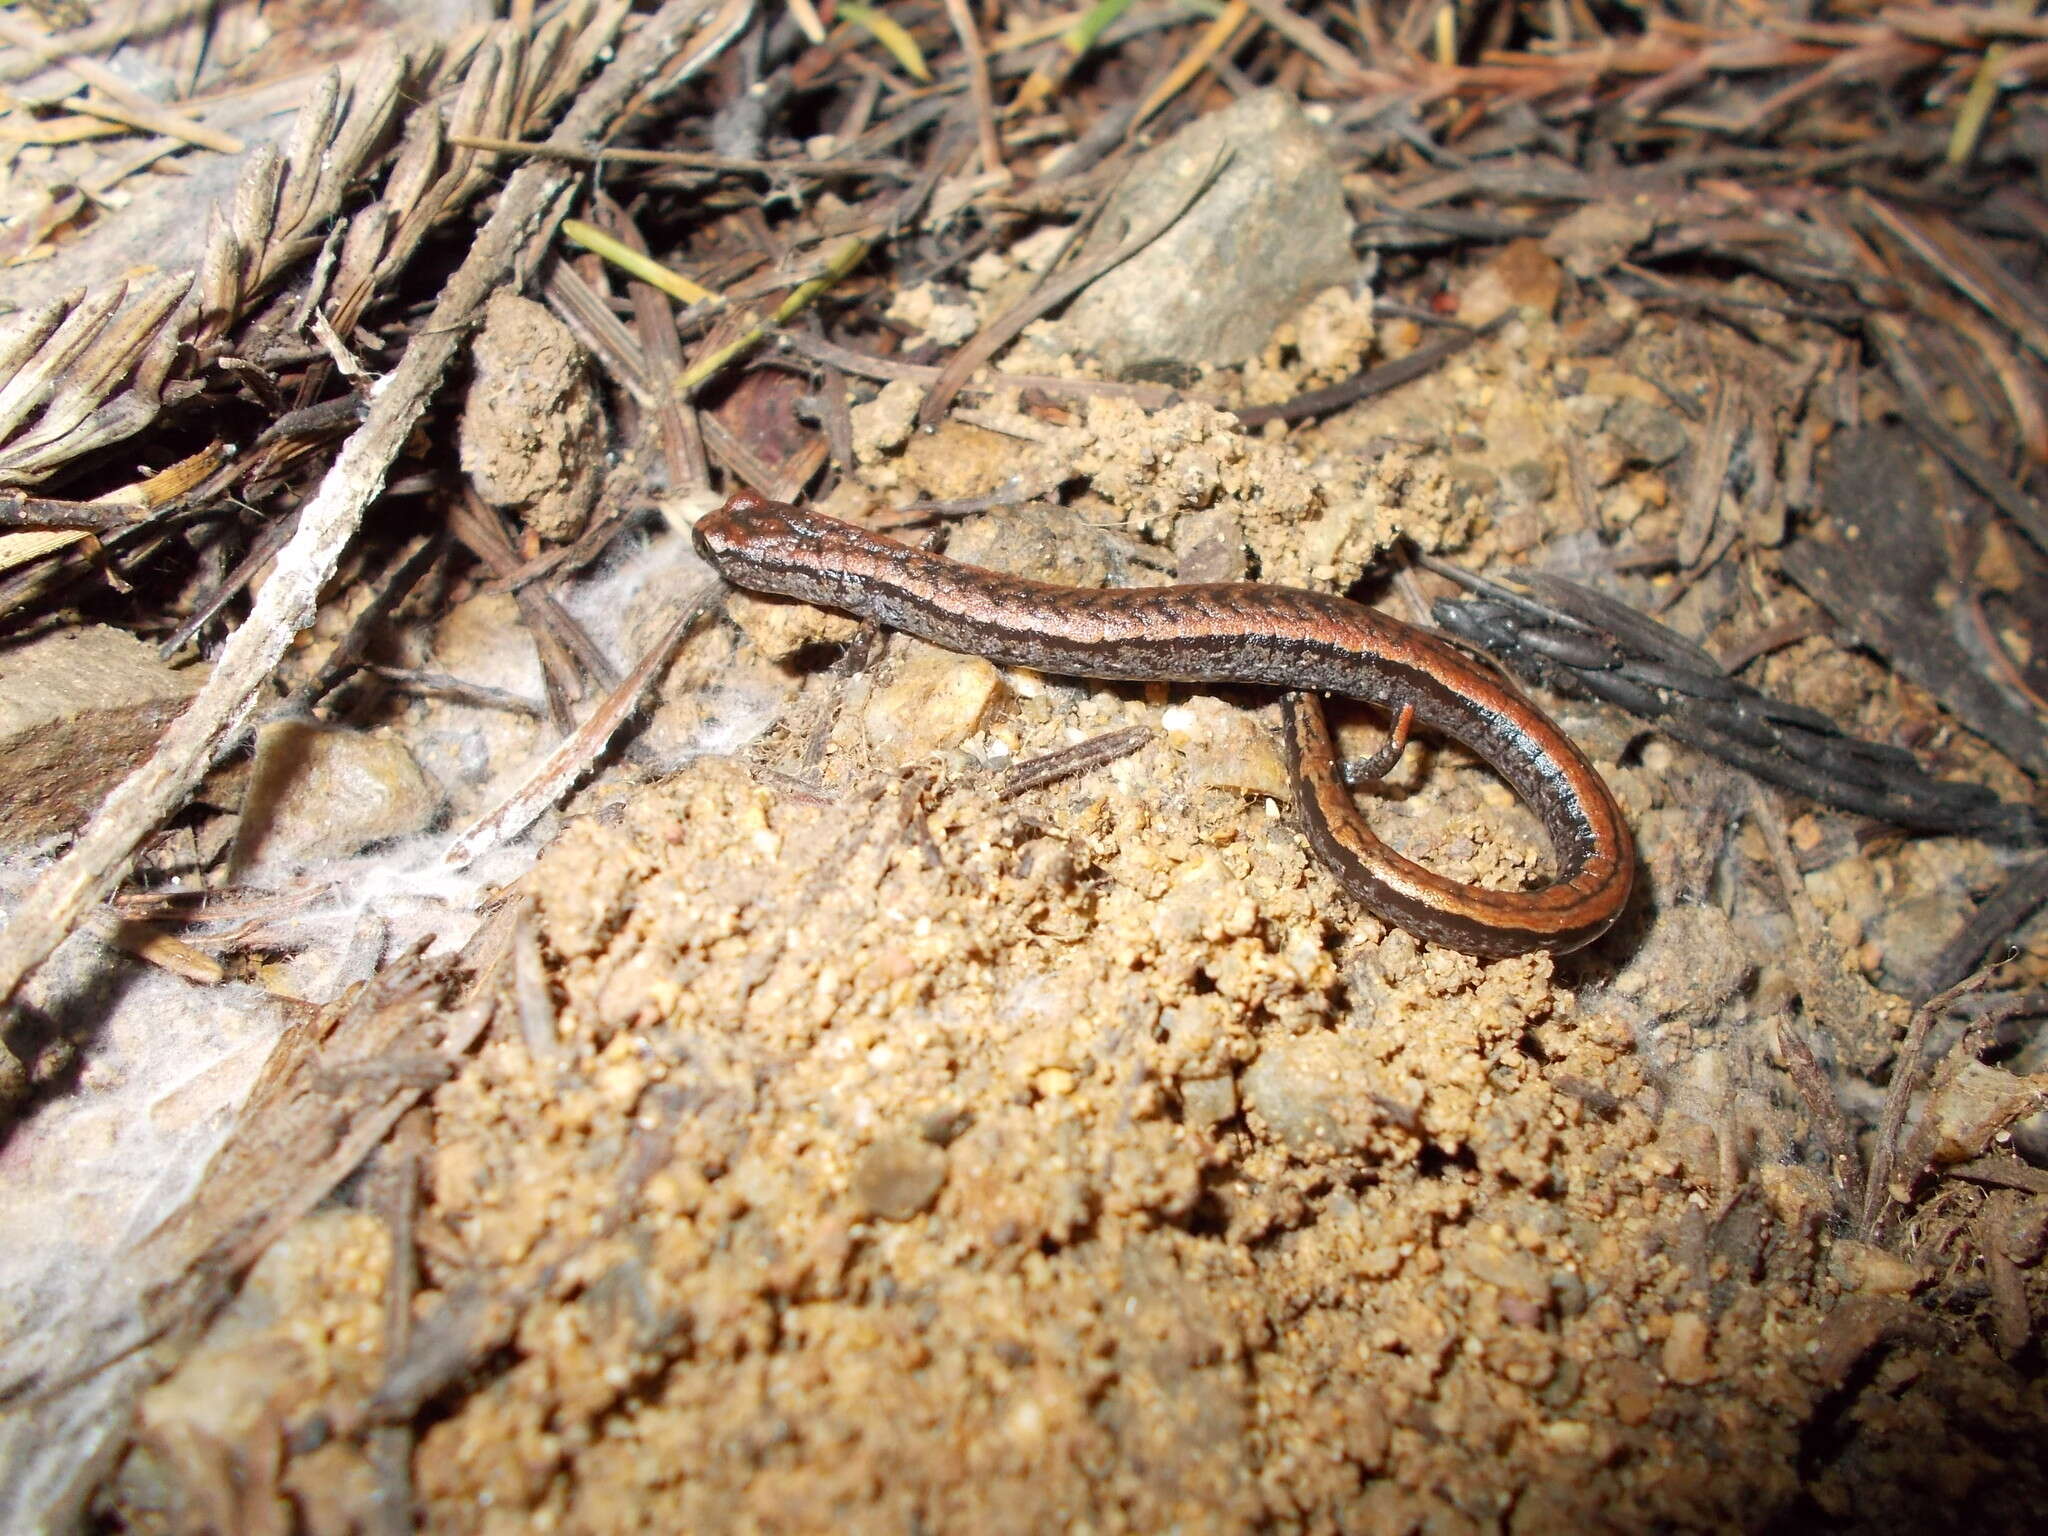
<point>910,1157</point>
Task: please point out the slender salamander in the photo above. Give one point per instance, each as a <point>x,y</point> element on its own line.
<point>1307,643</point>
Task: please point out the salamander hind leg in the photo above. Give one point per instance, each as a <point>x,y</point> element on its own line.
<point>1355,771</point>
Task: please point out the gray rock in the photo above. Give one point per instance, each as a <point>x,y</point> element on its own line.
<point>319,793</point>
<point>1044,542</point>
<point>1647,434</point>
<point>1598,236</point>
<point>1272,229</point>
<point>898,1176</point>
<point>1314,1094</point>
<point>1208,1101</point>
<point>1912,932</point>
<point>78,709</point>
<point>1211,547</point>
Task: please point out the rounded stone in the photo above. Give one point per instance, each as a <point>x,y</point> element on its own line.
<point>897,1177</point>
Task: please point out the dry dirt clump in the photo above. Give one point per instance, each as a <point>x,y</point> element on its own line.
<point>532,433</point>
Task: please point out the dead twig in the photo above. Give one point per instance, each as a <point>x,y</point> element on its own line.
<point>124,103</point>
<point>2022,894</point>
<point>849,255</point>
<point>456,690</point>
<point>830,167</point>
<point>978,88</point>
<point>1899,1096</point>
<point>1365,385</point>
<point>1845,1168</point>
<point>819,350</point>
<point>1081,757</point>
<point>577,751</point>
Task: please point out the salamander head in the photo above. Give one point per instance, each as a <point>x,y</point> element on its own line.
<point>770,546</point>
<point>749,530</point>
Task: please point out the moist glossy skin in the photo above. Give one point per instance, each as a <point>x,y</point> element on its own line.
<point>1239,632</point>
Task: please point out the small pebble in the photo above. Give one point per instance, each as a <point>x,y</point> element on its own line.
<point>933,702</point>
<point>898,1176</point>
<point>1208,1101</point>
<point>1312,1094</point>
<point>1685,1350</point>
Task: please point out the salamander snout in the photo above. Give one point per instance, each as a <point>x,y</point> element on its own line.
<point>748,525</point>
<point>769,546</point>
